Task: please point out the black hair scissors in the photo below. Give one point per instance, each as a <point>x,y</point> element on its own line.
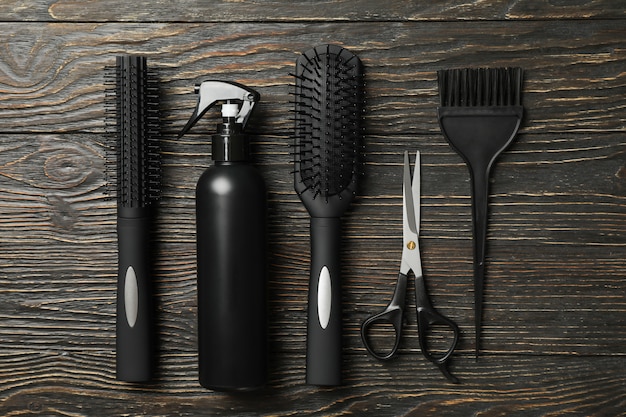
<point>427,316</point>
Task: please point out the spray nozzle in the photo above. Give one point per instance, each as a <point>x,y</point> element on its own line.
<point>237,101</point>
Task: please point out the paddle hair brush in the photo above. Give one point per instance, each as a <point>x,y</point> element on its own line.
<point>134,118</point>
<point>480,113</point>
<point>329,104</point>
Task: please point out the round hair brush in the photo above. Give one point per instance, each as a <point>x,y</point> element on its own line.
<point>133,119</point>
<point>329,103</point>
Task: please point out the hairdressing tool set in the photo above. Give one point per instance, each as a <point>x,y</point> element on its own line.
<point>134,116</point>
<point>479,115</point>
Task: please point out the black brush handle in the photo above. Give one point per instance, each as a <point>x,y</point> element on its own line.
<point>480,200</point>
<point>134,307</point>
<point>323,360</point>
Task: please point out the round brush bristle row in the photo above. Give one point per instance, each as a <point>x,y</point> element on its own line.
<point>133,120</point>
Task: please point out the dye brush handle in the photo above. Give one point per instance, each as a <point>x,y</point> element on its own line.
<point>134,306</point>
<point>323,360</point>
<point>480,199</point>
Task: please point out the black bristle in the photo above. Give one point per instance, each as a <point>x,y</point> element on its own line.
<point>133,118</point>
<point>471,87</point>
<point>329,104</point>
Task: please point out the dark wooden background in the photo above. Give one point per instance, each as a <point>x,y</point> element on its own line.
<point>554,338</point>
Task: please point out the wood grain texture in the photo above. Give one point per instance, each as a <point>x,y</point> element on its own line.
<point>506,387</point>
<point>53,73</point>
<point>555,299</point>
<point>301,10</point>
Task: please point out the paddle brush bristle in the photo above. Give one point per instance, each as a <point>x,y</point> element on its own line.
<point>329,103</point>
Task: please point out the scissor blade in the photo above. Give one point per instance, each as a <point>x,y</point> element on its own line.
<point>408,202</point>
<point>416,191</point>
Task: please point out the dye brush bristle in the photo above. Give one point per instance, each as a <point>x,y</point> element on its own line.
<point>480,114</point>
<point>329,104</point>
<point>134,118</point>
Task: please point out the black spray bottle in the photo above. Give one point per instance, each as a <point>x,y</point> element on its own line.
<point>231,248</point>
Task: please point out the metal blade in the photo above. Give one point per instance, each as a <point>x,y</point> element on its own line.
<point>416,191</point>
<point>408,202</point>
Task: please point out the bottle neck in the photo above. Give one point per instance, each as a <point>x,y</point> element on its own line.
<point>229,143</point>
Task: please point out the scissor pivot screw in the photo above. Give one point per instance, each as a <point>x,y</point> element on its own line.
<point>411,245</point>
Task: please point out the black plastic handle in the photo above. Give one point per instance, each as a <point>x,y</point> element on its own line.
<point>427,317</point>
<point>392,314</point>
<point>323,360</point>
<point>134,307</point>
<point>480,201</point>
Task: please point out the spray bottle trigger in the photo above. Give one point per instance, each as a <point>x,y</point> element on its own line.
<point>212,92</point>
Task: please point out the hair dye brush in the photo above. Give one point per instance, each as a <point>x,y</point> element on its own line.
<point>329,103</point>
<point>135,118</point>
<point>480,113</point>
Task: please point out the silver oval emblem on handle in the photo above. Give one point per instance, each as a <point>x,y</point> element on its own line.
<point>131,296</point>
<point>324,297</point>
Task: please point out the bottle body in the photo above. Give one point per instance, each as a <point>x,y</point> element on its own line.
<point>231,258</point>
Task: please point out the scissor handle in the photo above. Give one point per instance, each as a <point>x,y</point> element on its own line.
<point>392,314</point>
<point>427,316</point>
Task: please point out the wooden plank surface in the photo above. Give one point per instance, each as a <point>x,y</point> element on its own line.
<point>574,80</point>
<point>555,294</point>
<point>302,10</point>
